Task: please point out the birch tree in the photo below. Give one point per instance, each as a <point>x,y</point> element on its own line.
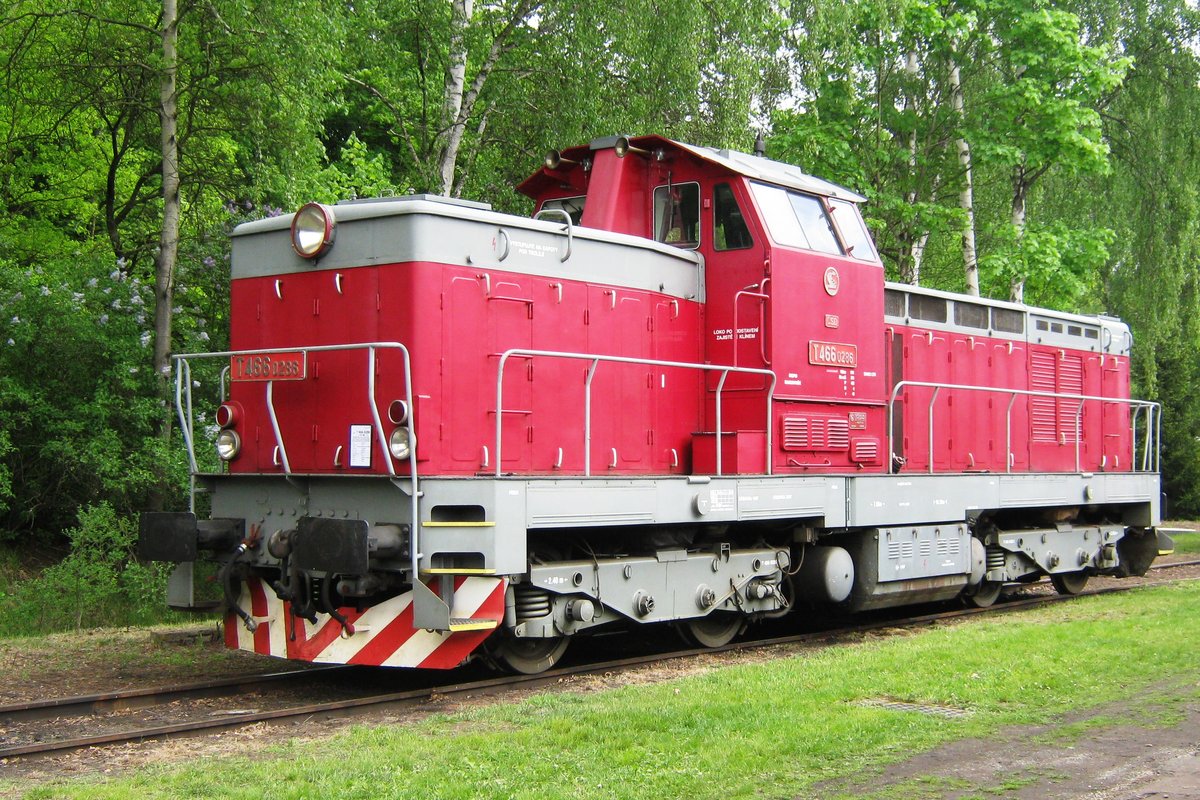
<point>966,194</point>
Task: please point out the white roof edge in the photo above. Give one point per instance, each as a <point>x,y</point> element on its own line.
<point>777,172</point>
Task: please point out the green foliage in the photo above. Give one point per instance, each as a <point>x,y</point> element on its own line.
<point>1089,111</point>
<point>357,173</point>
<point>566,74</point>
<point>1153,204</point>
<point>1039,109</point>
<point>99,583</point>
<point>6,487</point>
<point>1061,264</point>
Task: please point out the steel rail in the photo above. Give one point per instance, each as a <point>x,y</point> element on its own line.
<point>146,697</point>
<point>504,683</point>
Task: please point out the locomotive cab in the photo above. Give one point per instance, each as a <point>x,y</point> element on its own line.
<point>792,285</point>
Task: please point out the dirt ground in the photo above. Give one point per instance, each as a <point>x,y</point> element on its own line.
<point>1148,747</point>
<point>1145,748</point>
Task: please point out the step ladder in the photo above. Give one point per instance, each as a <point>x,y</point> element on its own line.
<point>433,609</point>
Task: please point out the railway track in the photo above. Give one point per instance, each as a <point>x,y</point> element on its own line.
<point>26,718</point>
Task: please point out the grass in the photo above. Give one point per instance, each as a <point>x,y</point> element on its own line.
<point>771,729</point>
<point>10,569</point>
<point>1187,543</point>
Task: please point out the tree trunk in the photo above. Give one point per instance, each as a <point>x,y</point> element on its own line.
<point>917,252</point>
<point>168,243</point>
<point>1020,190</point>
<point>966,196</point>
<point>456,79</point>
<point>910,268</point>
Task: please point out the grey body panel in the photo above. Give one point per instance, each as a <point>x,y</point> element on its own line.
<point>907,535</point>
<point>1062,549</point>
<point>923,551</point>
<point>513,506</point>
<point>437,230</point>
<point>916,498</point>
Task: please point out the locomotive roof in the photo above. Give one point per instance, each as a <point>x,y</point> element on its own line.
<point>750,166</point>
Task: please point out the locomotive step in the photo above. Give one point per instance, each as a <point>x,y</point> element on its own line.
<point>457,571</point>
<point>458,624</point>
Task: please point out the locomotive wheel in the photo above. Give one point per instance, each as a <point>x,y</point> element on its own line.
<point>986,593</point>
<point>1069,582</point>
<point>716,630</point>
<point>530,656</point>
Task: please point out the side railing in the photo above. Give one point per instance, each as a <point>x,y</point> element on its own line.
<point>595,361</point>
<point>1153,413</point>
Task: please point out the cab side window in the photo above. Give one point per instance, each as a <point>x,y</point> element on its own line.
<point>677,215</point>
<point>729,226</point>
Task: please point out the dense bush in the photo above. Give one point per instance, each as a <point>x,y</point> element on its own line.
<point>99,583</point>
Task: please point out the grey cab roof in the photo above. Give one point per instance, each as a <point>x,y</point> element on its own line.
<point>768,171</point>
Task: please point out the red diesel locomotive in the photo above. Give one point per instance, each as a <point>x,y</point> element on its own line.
<point>681,393</point>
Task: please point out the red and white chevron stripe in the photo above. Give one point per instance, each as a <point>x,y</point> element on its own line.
<point>383,634</point>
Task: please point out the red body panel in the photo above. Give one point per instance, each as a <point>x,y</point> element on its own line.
<point>646,415</point>
<point>972,428</point>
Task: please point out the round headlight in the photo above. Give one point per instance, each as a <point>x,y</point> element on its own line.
<point>313,228</point>
<point>399,445</point>
<point>229,444</point>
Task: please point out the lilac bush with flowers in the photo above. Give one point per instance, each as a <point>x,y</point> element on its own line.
<point>83,421</point>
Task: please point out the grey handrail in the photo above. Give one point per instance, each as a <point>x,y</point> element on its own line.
<point>762,332</point>
<point>183,406</point>
<point>570,229</point>
<point>1153,411</point>
<point>587,401</point>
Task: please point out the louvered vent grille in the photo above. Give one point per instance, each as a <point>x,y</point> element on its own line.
<point>865,451</point>
<point>816,433</point>
<point>1053,420</point>
<point>1042,378</point>
<point>1070,381</point>
<point>948,547</point>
